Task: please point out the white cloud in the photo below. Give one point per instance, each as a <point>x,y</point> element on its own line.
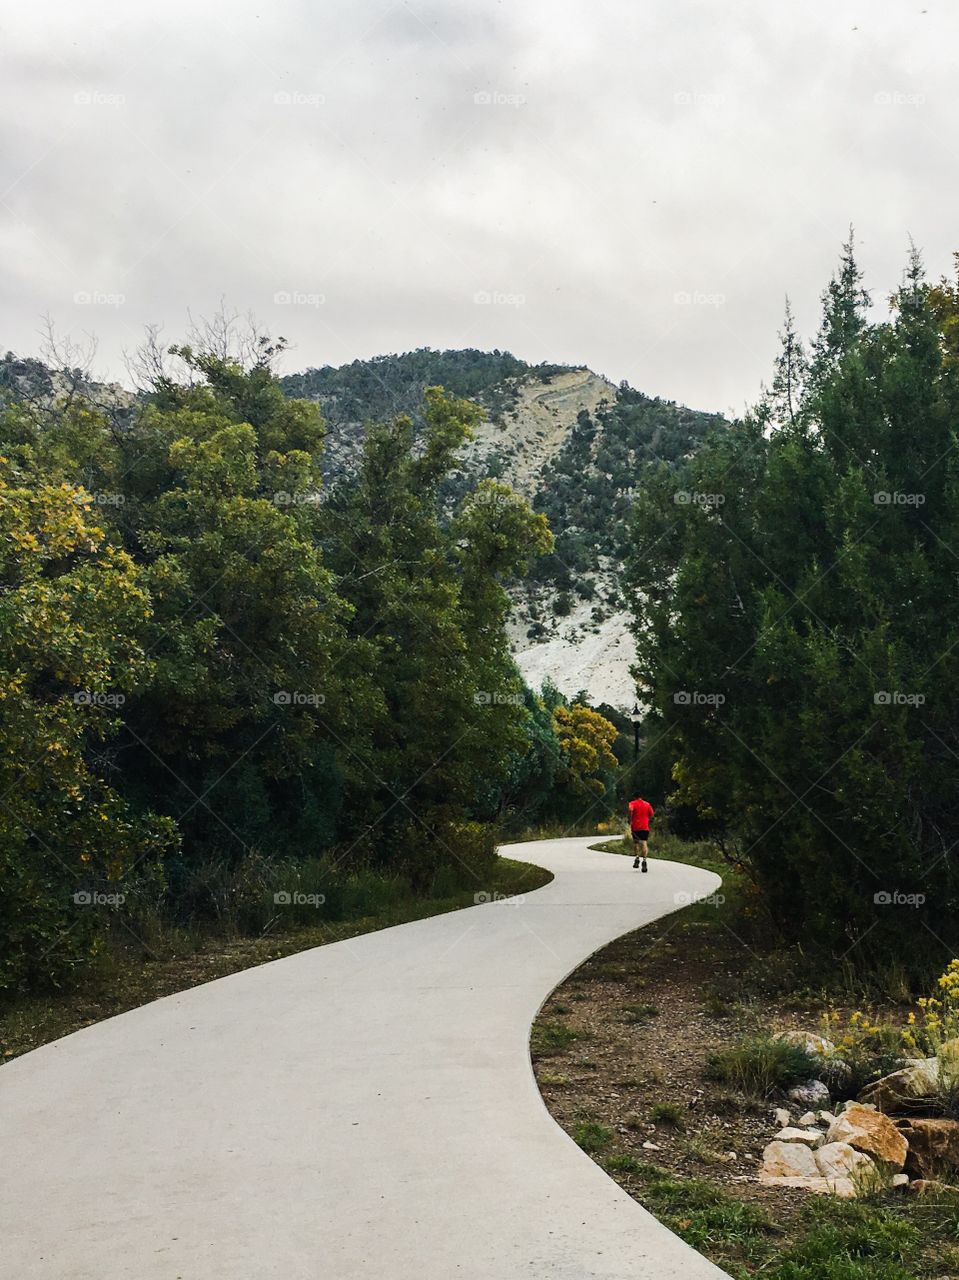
<point>396,159</point>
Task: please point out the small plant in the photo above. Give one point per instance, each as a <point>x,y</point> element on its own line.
<point>717,1004</point>
<point>551,1038</point>
<point>622,1164</point>
<point>668,1113</point>
<point>758,1065</point>
<point>700,1150</point>
<point>638,1013</point>
<point>592,1137</point>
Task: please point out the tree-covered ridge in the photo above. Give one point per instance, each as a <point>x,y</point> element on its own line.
<point>586,490</point>
<point>387,385</point>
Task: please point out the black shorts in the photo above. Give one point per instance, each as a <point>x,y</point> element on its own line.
<point>640,835</point>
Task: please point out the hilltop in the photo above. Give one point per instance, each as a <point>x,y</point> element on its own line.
<point>574,444</point>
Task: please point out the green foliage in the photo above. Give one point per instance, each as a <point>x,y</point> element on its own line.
<point>668,1113</point>
<point>592,1137</point>
<point>757,1066</point>
<point>387,386</point>
<point>799,615</point>
<point>73,612</point>
<point>552,1038</point>
<point>277,693</point>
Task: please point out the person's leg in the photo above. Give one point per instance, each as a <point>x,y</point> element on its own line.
<point>636,850</point>
<point>644,850</point>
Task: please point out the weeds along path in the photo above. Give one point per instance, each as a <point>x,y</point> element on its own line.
<point>364,1109</point>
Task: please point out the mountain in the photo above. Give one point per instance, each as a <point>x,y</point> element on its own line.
<point>571,442</point>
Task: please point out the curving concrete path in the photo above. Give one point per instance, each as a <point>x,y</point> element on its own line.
<point>365,1109</point>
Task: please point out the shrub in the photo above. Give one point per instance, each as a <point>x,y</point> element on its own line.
<point>758,1065</point>
<point>668,1113</point>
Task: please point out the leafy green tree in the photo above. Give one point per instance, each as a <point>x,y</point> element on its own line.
<point>427,597</point>
<point>254,684</point>
<point>73,613</point>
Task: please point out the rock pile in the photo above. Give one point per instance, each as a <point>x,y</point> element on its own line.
<point>876,1142</point>
<point>844,1155</point>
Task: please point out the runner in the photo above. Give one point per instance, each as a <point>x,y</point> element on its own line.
<point>641,813</point>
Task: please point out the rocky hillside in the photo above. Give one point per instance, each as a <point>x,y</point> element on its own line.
<point>575,445</point>
<point>569,440</point>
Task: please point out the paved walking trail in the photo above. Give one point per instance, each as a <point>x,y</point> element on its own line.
<point>365,1109</point>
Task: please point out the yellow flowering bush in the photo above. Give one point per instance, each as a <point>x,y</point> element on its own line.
<point>932,1030</point>
<point>937,1025</point>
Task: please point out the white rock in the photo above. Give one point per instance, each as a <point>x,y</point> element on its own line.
<point>819,1185</point>
<point>651,1146</point>
<point>826,1118</point>
<point>808,1120</point>
<point>782,1117</point>
<point>838,1160</point>
<point>900,1180</point>
<point>810,1137</point>
<point>789,1160</point>
<point>814,1045</point>
<point>811,1094</point>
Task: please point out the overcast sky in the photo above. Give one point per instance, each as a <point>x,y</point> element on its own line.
<point>633,185</point>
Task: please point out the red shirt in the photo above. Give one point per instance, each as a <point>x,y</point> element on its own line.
<point>640,812</point>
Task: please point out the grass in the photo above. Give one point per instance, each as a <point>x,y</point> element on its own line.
<point>552,1038</point>
<point>759,1065</point>
<point>668,1113</point>
<point>639,1013</point>
<point>591,1136</point>
<point>836,1240</point>
<point>128,975</point>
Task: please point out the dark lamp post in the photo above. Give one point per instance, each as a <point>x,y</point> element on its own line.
<point>636,716</point>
